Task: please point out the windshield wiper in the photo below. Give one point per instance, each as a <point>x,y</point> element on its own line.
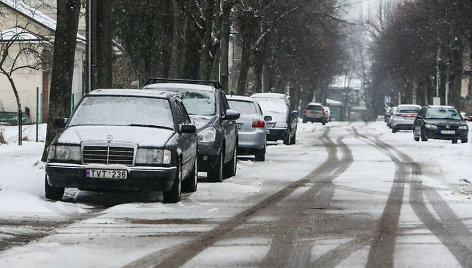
<point>147,125</point>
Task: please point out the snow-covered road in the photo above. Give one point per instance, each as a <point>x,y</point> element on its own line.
<point>347,195</point>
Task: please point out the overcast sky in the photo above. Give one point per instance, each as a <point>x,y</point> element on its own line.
<point>357,9</point>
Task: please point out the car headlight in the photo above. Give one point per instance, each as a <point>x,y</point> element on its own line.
<point>207,135</point>
<point>429,126</point>
<point>64,152</point>
<point>282,125</point>
<point>463,127</point>
<point>153,156</point>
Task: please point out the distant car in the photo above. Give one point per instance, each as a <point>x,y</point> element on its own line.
<point>252,133</point>
<point>315,112</point>
<point>389,116</point>
<point>387,113</point>
<point>380,118</point>
<point>328,111</point>
<point>440,122</point>
<point>125,140</point>
<point>283,125</point>
<point>403,117</point>
<point>208,108</point>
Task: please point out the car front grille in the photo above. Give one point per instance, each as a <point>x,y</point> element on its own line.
<point>108,155</point>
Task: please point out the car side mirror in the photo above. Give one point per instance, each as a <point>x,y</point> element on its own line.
<point>294,113</point>
<point>60,122</point>
<point>231,115</point>
<point>267,118</point>
<point>188,128</point>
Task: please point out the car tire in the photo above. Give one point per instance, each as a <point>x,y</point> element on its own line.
<point>216,174</point>
<point>454,140</point>
<point>323,123</point>
<point>51,192</point>
<point>287,140</point>
<point>293,140</point>
<point>417,138</point>
<point>423,137</point>
<point>230,168</point>
<point>394,130</point>
<point>464,140</point>
<point>304,120</point>
<point>260,154</point>
<point>175,193</point>
<point>189,185</point>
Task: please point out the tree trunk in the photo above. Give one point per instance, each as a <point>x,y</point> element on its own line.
<point>161,50</point>
<point>205,58</point>
<point>178,39</point>
<point>104,44</point>
<point>225,35</point>
<point>63,66</point>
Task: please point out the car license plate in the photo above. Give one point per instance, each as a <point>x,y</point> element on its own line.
<point>448,132</point>
<point>106,174</point>
<point>239,125</point>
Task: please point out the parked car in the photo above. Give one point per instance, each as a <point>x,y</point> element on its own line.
<point>389,116</point>
<point>130,140</point>
<point>209,110</point>
<point>252,132</point>
<point>315,112</point>
<point>283,125</point>
<point>387,113</point>
<point>404,116</point>
<point>328,111</point>
<point>440,122</point>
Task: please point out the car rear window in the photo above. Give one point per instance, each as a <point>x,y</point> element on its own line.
<point>408,109</point>
<point>243,107</point>
<point>442,113</point>
<point>196,102</point>
<point>123,111</point>
<point>314,107</point>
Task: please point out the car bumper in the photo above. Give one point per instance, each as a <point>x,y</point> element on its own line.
<point>402,124</point>
<point>461,134</point>
<point>252,140</point>
<point>315,119</point>
<point>138,179</point>
<point>275,134</point>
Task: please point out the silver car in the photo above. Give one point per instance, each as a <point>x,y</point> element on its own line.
<point>404,116</point>
<point>252,131</point>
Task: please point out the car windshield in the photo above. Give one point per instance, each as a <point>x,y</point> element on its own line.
<point>408,109</point>
<point>243,107</point>
<point>197,102</point>
<point>443,113</point>
<point>123,111</point>
<point>274,107</point>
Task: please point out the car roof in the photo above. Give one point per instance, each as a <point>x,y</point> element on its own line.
<point>130,92</point>
<point>441,106</point>
<point>164,86</point>
<point>315,103</point>
<point>270,95</point>
<point>403,105</point>
<point>242,98</point>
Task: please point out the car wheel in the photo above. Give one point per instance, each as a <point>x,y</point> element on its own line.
<point>189,185</point>
<point>174,195</point>
<point>323,122</point>
<point>260,154</point>
<point>51,192</point>
<point>416,138</point>
<point>394,130</point>
<point>293,140</point>
<point>423,137</point>
<point>216,174</point>
<point>464,140</point>
<point>230,168</point>
<point>454,140</point>
<point>304,120</point>
<point>287,140</point>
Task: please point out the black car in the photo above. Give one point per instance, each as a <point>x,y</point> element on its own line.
<point>440,122</point>
<point>124,140</point>
<point>284,117</point>
<point>208,108</point>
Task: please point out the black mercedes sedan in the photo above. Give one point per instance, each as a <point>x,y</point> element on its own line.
<point>440,122</point>
<point>124,140</point>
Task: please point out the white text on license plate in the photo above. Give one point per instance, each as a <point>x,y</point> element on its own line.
<point>106,174</point>
<point>448,132</point>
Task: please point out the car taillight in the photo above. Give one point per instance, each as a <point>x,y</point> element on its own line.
<point>258,123</point>
<point>306,110</point>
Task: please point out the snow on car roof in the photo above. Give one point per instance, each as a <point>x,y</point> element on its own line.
<point>315,103</point>
<point>243,98</point>
<point>179,86</point>
<point>131,92</point>
<point>269,95</point>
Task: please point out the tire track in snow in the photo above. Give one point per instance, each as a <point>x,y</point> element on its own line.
<point>449,229</point>
<point>181,254</point>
